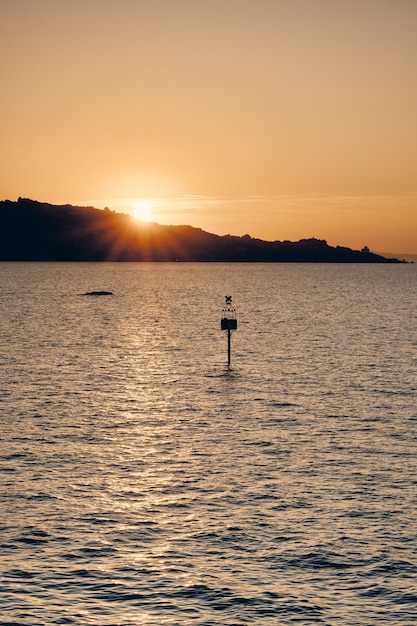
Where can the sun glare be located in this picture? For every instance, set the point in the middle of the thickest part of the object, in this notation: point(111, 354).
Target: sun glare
point(142, 210)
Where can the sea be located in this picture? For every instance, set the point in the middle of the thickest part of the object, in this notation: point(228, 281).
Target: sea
point(144, 481)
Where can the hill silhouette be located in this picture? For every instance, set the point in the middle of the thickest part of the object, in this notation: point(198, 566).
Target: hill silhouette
point(37, 231)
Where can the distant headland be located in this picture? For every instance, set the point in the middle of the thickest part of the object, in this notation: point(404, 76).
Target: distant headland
point(37, 231)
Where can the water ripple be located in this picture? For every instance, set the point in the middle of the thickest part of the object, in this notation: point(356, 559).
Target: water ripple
point(146, 483)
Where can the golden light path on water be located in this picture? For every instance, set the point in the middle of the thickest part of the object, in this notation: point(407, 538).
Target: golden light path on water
point(145, 482)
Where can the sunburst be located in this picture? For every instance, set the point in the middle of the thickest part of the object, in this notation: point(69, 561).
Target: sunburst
point(142, 210)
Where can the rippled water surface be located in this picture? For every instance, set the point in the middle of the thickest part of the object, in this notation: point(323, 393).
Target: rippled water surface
point(145, 482)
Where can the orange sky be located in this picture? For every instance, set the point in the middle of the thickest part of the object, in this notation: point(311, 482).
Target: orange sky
point(283, 119)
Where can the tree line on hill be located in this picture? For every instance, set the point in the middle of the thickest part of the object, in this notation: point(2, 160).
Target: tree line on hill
point(37, 231)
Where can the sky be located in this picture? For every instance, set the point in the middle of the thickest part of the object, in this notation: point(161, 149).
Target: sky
point(282, 119)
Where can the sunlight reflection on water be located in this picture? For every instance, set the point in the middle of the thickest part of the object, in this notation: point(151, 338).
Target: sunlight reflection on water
point(144, 482)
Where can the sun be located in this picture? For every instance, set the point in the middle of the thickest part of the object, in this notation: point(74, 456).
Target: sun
point(142, 210)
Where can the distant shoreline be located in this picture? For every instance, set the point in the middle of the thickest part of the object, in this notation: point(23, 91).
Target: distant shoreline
point(408, 257)
point(37, 231)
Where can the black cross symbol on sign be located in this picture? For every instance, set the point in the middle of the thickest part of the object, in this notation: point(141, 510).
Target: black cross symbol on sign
point(228, 299)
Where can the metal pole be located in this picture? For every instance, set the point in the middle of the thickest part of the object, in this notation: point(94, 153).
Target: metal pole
point(228, 346)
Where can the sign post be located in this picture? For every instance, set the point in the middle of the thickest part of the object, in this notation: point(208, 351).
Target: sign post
point(228, 322)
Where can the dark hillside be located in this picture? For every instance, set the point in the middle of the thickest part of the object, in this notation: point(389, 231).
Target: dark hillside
point(35, 231)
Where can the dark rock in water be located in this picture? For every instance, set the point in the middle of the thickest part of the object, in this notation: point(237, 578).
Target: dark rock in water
point(98, 293)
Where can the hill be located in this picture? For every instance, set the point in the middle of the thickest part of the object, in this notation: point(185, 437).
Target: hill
point(36, 231)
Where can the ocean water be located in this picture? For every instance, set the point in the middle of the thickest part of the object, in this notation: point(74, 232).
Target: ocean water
point(143, 481)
